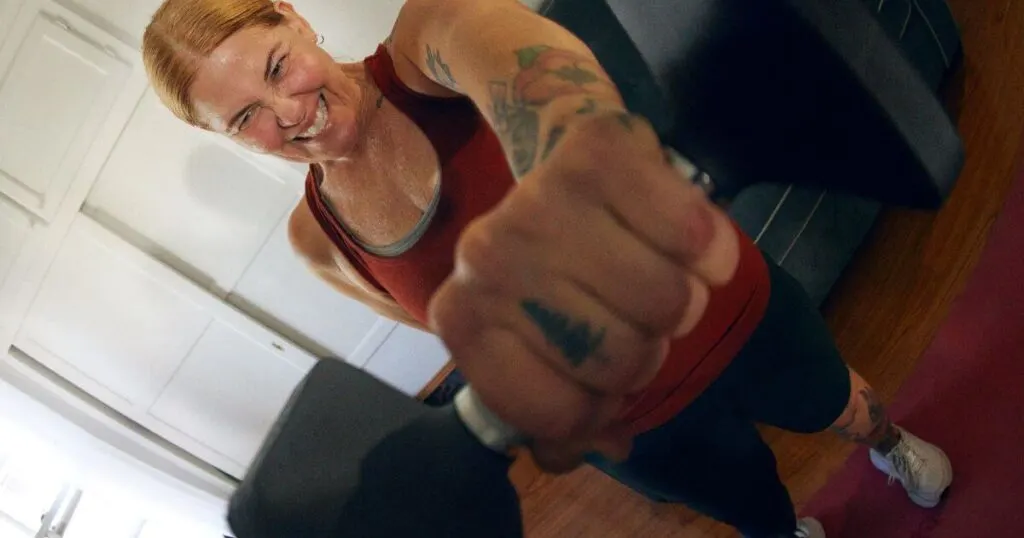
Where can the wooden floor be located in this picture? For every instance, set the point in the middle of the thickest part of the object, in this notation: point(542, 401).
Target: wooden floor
point(883, 314)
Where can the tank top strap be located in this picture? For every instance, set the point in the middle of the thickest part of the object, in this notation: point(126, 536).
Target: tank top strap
point(330, 225)
point(448, 122)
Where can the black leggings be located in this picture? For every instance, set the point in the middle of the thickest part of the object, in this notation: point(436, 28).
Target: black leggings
point(711, 457)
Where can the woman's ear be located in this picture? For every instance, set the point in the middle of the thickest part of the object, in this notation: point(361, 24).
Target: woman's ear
point(293, 20)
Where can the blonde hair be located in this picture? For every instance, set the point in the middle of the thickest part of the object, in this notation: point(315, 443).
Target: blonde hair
point(183, 32)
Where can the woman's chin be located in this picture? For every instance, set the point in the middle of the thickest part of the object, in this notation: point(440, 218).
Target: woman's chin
point(338, 141)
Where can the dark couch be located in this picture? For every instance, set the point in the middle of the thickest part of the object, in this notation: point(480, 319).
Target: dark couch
point(798, 110)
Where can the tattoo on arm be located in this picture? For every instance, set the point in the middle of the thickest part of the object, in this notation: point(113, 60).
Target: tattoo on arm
point(440, 70)
point(544, 74)
point(575, 339)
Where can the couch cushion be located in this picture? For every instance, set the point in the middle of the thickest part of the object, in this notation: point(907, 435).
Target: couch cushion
point(812, 233)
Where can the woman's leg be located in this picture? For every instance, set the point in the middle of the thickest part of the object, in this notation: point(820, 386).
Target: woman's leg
point(791, 375)
point(865, 419)
point(716, 463)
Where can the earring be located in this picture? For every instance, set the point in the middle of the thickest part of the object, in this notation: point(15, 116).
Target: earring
point(320, 39)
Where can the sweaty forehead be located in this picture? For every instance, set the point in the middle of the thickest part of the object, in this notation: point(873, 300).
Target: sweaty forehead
point(232, 75)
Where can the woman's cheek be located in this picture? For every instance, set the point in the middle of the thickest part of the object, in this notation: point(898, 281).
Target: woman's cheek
point(259, 140)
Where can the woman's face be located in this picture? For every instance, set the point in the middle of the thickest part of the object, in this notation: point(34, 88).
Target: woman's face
point(274, 90)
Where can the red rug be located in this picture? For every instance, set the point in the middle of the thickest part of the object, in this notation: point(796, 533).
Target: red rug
point(967, 396)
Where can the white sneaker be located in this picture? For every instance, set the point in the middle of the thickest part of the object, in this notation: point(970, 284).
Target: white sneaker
point(809, 527)
point(922, 468)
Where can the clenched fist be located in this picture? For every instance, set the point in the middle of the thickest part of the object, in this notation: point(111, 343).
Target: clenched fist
point(565, 297)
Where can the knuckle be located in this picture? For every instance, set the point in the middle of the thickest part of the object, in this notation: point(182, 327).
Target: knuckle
point(451, 317)
point(676, 294)
point(479, 247)
point(643, 365)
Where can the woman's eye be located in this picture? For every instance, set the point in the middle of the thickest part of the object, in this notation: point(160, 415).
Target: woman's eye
point(246, 118)
point(278, 68)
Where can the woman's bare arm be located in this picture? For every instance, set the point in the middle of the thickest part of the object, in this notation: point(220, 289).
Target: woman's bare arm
point(529, 76)
point(322, 258)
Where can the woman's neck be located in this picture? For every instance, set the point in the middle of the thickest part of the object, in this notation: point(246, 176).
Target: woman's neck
point(369, 103)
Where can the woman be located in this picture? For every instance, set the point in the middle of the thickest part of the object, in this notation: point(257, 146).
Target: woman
point(479, 175)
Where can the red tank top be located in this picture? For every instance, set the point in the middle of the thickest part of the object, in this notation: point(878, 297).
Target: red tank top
point(475, 176)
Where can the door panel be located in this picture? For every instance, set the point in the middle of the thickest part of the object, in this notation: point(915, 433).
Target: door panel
point(108, 323)
point(8, 10)
point(14, 227)
point(53, 99)
point(128, 17)
point(229, 391)
point(408, 359)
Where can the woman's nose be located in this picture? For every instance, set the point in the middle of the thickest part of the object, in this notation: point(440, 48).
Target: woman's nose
point(289, 111)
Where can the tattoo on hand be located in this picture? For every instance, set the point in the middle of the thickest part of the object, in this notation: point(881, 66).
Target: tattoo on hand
point(545, 73)
point(576, 340)
point(440, 70)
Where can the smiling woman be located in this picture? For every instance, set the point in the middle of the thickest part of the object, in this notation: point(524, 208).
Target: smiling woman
point(479, 174)
point(257, 76)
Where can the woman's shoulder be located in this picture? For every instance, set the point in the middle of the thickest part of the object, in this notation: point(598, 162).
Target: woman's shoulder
point(307, 238)
point(402, 45)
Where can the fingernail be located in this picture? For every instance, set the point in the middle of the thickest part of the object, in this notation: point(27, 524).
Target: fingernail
point(700, 296)
point(700, 230)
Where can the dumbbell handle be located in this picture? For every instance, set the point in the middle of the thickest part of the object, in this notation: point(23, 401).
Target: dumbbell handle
point(484, 424)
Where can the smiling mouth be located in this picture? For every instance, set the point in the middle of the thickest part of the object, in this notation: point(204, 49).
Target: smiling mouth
point(319, 125)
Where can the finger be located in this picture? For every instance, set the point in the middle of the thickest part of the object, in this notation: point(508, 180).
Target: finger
point(559, 457)
point(675, 217)
point(595, 348)
point(613, 445)
point(654, 201)
point(562, 456)
point(567, 325)
point(510, 379)
point(635, 282)
point(700, 296)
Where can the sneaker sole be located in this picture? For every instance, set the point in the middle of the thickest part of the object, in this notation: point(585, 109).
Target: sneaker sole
point(924, 501)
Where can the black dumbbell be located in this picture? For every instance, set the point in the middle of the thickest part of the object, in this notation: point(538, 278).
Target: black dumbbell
point(352, 457)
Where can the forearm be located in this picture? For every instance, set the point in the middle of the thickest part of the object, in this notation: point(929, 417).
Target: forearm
point(530, 77)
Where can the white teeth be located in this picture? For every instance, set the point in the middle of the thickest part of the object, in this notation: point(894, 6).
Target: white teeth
point(321, 120)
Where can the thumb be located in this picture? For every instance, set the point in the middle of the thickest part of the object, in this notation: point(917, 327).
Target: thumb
point(614, 444)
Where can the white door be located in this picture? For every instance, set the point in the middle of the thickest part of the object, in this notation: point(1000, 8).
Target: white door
point(60, 77)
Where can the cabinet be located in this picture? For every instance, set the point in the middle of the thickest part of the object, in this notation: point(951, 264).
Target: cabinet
point(229, 390)
point(127, 18)
point(8, 9)
point(218, 214)
point(159, 349)
point(408, 359)
point(14, 227)
point(108, 322)
point(60, 78)
point(191, 198)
